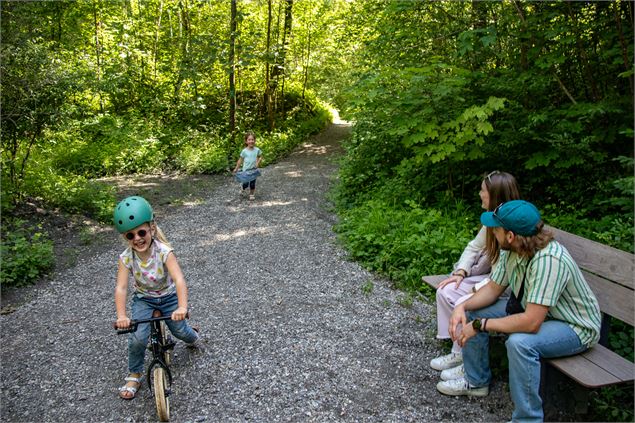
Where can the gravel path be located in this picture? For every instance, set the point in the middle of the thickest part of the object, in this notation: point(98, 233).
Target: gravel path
point(291, 333)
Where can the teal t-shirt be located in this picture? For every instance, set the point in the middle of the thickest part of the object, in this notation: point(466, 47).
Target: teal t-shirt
point(250, 157)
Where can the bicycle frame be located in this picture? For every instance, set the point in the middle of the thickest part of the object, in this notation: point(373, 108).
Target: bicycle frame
point(156, 346)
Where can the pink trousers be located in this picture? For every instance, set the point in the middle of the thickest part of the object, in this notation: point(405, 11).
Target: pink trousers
point(449, 297)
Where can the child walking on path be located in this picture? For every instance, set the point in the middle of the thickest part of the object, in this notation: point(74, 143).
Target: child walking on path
point(473, 267)
point(158, 285)
point(250, 157)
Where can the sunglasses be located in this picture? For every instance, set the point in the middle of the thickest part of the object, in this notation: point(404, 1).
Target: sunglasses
point(496, 210)
point(141, 232)
point(489, 175)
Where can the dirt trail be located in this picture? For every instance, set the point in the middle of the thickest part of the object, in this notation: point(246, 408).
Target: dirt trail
point(291, 333)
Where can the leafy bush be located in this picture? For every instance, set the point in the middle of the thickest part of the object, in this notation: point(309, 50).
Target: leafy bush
point(27, 254)
point(73, 194)
point(201, 153)
point(405, 242)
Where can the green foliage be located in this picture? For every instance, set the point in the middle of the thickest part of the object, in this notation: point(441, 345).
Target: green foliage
point(368, 287)
point(612, 229)
point(405, 242)
point(614, 404)
point(73, 194)
point(26, 252)
point(35, 83)
point(621, 339)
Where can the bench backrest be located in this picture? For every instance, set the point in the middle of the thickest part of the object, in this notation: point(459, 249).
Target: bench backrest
point(608, 271)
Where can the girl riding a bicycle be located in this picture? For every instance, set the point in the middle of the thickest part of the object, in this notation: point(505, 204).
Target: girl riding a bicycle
point(158, 285)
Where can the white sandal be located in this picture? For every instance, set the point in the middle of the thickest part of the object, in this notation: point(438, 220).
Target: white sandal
point(130, 389)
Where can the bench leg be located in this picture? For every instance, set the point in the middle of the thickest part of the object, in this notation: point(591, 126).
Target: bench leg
point(561, 397)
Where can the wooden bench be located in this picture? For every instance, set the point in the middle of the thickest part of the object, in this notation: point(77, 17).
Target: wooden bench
point(610, 274)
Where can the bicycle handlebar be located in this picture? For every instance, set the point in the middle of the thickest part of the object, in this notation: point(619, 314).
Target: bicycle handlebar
point(135, 323)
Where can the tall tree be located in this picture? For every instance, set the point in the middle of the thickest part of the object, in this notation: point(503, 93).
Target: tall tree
point(232, 69)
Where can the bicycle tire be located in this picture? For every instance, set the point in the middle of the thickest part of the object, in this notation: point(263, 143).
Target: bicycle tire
point(160, 385)
point(164, 339)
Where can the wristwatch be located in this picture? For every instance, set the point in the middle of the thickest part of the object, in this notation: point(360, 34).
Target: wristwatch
point(476, 325)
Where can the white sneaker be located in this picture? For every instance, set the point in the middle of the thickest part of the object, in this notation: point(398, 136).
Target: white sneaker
point(447, 361)
point(252, 197)
point(457, 372)
point(461, 387)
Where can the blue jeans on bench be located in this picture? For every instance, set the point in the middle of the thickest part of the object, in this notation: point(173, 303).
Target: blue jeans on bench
point(555, 338)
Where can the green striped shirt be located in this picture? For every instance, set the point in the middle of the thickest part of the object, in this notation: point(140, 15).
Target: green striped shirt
point(554, 280)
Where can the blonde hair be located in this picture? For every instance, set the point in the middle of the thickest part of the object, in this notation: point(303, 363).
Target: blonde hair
point(160, 235)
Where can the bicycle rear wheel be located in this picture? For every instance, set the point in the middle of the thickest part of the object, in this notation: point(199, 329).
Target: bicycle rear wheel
point(161, 390)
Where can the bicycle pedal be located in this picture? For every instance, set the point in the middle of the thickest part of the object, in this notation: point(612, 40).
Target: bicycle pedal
point(170, 345)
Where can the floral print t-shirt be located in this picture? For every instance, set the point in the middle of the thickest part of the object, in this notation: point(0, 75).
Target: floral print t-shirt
point(151, 278)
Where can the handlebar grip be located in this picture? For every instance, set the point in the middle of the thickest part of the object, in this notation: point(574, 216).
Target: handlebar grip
point(129, 329)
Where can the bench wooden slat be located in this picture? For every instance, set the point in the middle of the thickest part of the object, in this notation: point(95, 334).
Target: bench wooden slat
point(612, 363)
point(434, 280)
point(615, 300)
point(608, 262)
point(595, 368)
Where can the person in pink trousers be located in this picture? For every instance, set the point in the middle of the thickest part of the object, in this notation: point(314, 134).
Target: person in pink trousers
point(471, 271)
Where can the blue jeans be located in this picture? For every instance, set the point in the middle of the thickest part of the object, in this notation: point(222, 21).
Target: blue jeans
point(142, 308)
point(555, 338)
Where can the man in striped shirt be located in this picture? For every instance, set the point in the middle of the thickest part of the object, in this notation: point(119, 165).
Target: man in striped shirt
point(556, 313)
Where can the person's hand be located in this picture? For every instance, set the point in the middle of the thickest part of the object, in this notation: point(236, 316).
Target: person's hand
point(467, 332)
point(457, 318)
point(179, 313)
point(122, 322)
point(452, 278)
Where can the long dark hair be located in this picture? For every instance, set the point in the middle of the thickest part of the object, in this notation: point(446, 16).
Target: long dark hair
point(501, 187)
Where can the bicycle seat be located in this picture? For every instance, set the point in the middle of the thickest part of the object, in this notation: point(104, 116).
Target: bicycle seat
point(156, 313)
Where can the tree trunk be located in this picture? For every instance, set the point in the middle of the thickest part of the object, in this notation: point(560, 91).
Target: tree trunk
point(267, 96)
point(308, 58)
point(232, 69)
point(288, 17)
point(524, 65)
point(98, 55)
point(623, 44)
point(583, 58)
point(184, 35)
point(156, 38)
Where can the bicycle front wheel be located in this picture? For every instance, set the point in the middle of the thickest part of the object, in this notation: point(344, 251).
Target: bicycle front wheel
point(164, 339)
point(161, 390)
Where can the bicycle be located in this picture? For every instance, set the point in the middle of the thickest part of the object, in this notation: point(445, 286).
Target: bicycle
point(158, 374)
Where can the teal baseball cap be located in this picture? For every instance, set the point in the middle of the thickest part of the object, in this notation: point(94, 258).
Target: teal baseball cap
point(519, 216)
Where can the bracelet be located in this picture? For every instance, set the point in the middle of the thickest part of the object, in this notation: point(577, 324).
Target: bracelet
point(484, 325)
point(460, 272)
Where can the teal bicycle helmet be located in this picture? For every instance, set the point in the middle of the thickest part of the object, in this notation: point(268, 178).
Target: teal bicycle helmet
point(132, 212)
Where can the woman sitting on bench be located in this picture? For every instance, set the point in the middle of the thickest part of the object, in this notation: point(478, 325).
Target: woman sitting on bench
point(473, 267)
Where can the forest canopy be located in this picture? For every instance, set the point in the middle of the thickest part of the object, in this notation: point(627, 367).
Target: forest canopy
point(439, 93)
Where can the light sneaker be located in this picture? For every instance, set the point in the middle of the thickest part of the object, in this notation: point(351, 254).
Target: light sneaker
point(252, 197)
point(454, 373)
point(461, 387)
point(447, 361)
